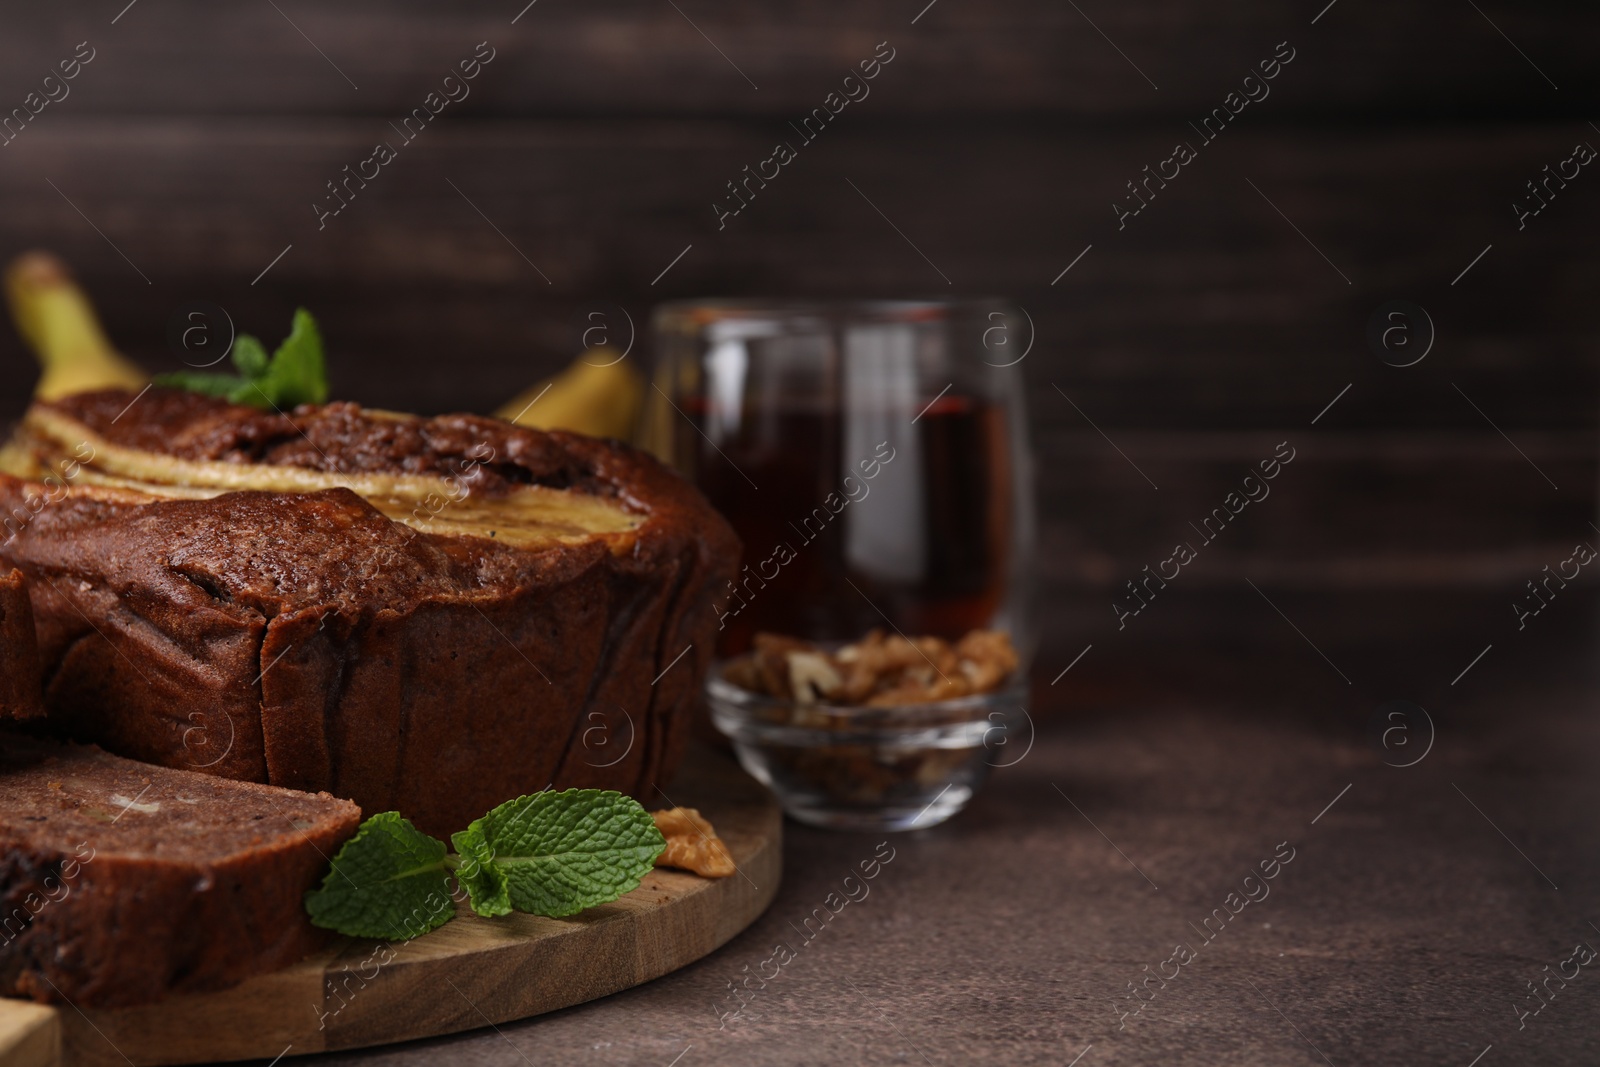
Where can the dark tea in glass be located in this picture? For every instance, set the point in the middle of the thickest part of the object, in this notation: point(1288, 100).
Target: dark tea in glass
point(872, 458)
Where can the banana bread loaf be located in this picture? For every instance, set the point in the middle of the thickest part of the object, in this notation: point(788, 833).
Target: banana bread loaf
point(424, 615)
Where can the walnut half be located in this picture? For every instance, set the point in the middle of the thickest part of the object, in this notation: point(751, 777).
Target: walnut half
point(692, 843)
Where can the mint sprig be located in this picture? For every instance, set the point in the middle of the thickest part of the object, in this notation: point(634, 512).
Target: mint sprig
point(551, 854)
point(563, 852)
point(295, 374)
point(389, 881)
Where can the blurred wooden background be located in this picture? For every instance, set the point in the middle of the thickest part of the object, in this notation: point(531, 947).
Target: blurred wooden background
point(1198, 337)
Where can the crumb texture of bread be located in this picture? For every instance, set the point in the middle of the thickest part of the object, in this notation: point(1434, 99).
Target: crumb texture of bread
point(121, 882)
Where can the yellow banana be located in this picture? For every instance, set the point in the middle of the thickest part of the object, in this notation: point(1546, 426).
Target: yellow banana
point(57, 321)
point(598, 395)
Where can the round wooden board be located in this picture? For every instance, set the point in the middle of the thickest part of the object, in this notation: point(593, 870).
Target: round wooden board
point(465, 975)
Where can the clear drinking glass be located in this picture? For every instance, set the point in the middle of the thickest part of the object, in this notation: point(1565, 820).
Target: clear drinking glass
point(872, 456)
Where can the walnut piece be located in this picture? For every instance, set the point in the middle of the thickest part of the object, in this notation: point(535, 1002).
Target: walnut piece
point(811, 676)
point(880, 670)
point(692, 843)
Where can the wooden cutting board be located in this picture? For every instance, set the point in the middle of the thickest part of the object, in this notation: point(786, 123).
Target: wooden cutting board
point(467, 974)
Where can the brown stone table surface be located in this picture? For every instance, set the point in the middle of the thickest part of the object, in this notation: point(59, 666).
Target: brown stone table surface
point(1168, 763)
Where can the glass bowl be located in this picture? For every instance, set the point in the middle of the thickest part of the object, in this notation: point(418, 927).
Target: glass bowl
point(869, 768)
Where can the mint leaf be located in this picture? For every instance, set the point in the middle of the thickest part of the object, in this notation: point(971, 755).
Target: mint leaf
point(563, 852)
point(297, 374)
point(389, 881)
point(485, 883)
point(249, 356)
point(548, 854)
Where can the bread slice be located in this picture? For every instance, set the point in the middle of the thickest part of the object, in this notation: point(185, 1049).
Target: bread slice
point(121, 882)
point(423, 615)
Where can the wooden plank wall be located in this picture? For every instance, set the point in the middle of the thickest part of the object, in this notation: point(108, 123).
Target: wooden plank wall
point(1217, 322)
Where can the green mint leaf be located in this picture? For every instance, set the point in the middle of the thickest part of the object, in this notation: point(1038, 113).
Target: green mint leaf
point(563, 852)
point(486, 884)
point(297, 373)
point(389, 881)
point(210, 384)
point(249, 356)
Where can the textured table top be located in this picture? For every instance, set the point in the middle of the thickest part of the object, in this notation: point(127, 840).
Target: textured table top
point(1417, 904)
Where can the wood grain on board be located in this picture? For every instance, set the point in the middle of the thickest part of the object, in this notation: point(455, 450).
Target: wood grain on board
point(470, 973)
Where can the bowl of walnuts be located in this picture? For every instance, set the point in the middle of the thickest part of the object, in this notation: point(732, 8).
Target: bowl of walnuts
point(886, 733)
